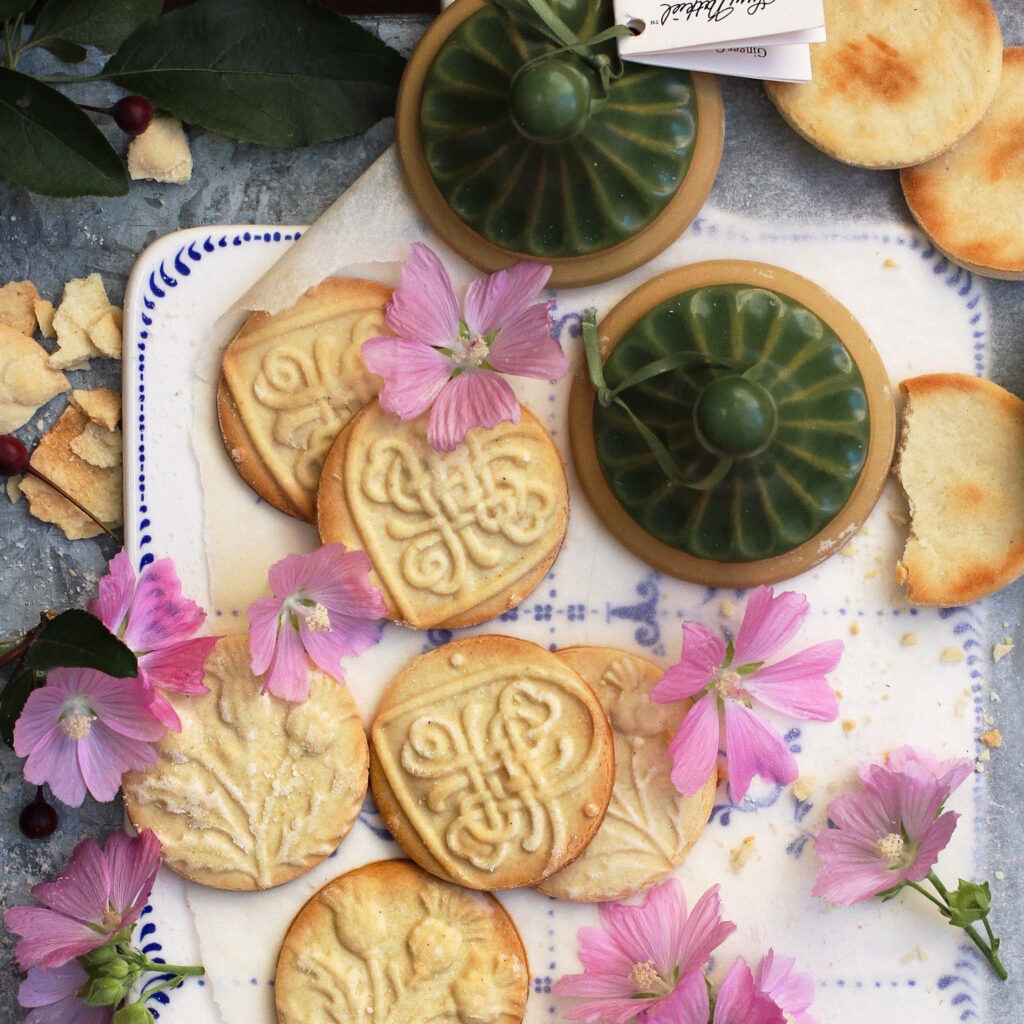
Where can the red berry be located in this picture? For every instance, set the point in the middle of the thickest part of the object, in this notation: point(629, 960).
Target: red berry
point(38, 820)
point(133, 114)
point(13, 455)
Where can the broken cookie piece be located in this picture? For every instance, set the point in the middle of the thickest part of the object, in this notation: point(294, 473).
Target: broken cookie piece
point(961, 464)
point(101, 405)
point(161, 153)
point(26, 380)
point(98, 489)
point(17, 299)
point(84, 304)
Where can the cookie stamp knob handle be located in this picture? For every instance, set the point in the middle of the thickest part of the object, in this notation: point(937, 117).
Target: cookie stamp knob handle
point(735, 417)
point(550, 100)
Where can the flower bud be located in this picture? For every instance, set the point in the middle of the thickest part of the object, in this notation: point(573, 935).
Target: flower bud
point(133, 1013)
point(99, 957)
point(117, 968)
point(103, 992)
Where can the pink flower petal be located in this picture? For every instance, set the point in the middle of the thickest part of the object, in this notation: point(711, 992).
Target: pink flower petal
point(736, 993)
point(703, 654)
point(179, 666)
point(524, 347)
point(424, 306)
point(853, 870)
point(82, 889)
point(664, 927)
point(752, 748)
point(38, 718)
point(159, 615)
point(949, 774)
point(114, 597)
point(163, 710)
point(288, 675)
point(134, 862)
point(476, 398)
point(50, 939)
point(345, 589)
point(933, 839)
point(501, 298)
point(606, 1011)
point(122, 705)
point(867, 812)
point(792, 991)
point(263, 626)
point(797, 686)
point(328, 647)
point(687, 1003)
point(41, 988)
point(694, 747)
point(414, 374)
point(54, 761)
point(769, 623)
point(703, 932)
point(104, 756)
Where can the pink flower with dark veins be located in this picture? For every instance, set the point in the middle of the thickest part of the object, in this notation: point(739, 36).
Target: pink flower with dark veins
point(892, 830)
point(648, 961)
point(156, 622)
point(725, 680)
point(83, 730)
point(324, 606)
point(100, 892)
point(452, 364)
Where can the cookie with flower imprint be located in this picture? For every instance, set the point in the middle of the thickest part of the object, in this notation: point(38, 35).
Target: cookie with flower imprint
point(255, 790)
point(387, 942)
point(491, 762)
point(290, 381)
point(455, 537)
point(650, 826)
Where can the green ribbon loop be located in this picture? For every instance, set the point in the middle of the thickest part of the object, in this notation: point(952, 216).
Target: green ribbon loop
point(607, 396)
point(539, 15)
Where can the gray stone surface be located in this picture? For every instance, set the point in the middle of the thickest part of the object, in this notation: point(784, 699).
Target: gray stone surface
point(767, 171)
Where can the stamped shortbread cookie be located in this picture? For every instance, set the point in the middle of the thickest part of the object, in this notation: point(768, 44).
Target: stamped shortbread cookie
point(897, 81)
point(254, 790)
point(455, 538)
point(389, 944)
point(960, 463)
point(492, 762)
point(649, 826)
point(291, 381)
point(970, 200)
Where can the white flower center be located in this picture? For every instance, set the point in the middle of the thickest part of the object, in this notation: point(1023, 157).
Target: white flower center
point(318, 619)
point(647, 979)
point(729, 684)
point(891, 848)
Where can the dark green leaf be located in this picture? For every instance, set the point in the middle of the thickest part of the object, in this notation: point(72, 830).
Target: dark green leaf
point(70, 53)
point(50, 146)
point(12, 8)
point(103, 23)
point(12, 700)
point(77, 638)
point(280, 72)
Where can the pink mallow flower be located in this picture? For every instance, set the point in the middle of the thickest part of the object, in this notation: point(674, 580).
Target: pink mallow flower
point(731, 678)
point(777, 995)
point(446, 363)
point(83, 730)
point(648, 961)
point(156, 622)
point(323, 606)
point(100, 892)
point(52, 997)
point(892, 830)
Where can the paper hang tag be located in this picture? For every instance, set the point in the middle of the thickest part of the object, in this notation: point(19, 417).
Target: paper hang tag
point(751, 38)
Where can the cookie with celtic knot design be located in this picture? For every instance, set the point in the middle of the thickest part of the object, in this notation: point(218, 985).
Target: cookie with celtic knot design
point(492, 762)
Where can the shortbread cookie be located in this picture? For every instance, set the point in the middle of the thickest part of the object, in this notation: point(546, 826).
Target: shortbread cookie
point(492, 762)
point(291, 381)
point(897, 81)
point(17, 306)
point(455, 538)
point(26, 380)
point(388, 943)
point(970, 199)
point(961, 464)
point(649, 826)
point(254, 790)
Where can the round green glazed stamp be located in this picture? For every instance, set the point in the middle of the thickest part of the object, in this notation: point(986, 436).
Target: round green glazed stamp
point(516, 148)
point(772, 418)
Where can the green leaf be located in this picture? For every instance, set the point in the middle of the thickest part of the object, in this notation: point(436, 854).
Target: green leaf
point(77, 638)
point(103, 23)
point(12, 8)
point(70, 53)
point(279, 72)
point(50, 146)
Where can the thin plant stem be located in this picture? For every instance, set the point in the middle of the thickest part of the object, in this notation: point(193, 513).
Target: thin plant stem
point(68, 79)
point(11, 63)
point(943, 909)
point(987, 950)
point(67, 497)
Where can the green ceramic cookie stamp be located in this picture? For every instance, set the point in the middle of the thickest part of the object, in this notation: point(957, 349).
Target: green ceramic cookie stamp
point(521, 142)
point(741, 426)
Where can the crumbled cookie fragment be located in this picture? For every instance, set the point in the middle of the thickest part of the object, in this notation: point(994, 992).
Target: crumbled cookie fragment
point(84, 303)
point(44, 310)
point(98, 446)
point(917, 953)
point(14, 488)
point(952, 656)
point(992, 738)
point(16, 302)
point(97, 489)
point(101, 405)
point(161, 153)
point(739, 855)
point(849, 725)
point(105, 334)
point(26, 380)
point(1001, 650)
point(854, 627)
point(727, 608)
point(890, 262)
point(804, 787)
point(908, 639)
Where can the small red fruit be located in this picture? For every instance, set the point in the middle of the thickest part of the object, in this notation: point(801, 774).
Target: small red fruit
point(133, 114)
point(13, 456)
point(38, 820)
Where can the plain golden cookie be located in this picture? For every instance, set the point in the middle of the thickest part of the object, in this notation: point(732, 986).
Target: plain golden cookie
point(491, 762)
point(897, 81)
point(961, 464)
point(970, 199)
point(254, 790)
point(291, 381)
point(649, 826)
point(390, 944)
point(455, 538)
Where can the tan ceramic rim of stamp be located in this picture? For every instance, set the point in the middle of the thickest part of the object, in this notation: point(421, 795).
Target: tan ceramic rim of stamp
point(881, 444)
point(568, 271)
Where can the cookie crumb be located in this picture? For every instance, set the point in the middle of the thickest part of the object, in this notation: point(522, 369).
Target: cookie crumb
point(917, 953)
point(854, 628)
point(890, 262)
point(727, 608)
point(952, 656)
point(992, 738)
point(804, 787)
point(849, 725)
point(1001, 650)
point(739, 856)
point(908, 639)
